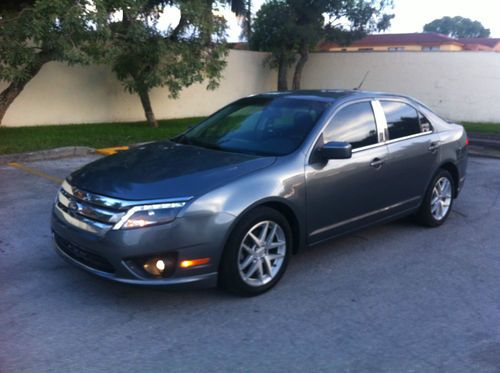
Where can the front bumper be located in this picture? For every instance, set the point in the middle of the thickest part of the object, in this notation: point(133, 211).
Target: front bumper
point(110, 255)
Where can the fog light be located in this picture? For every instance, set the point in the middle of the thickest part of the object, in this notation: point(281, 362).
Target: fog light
point(194, 262)
point(160, 265)
point(155, 266)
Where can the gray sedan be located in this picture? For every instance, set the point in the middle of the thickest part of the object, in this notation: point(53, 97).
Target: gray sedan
point(229, 201)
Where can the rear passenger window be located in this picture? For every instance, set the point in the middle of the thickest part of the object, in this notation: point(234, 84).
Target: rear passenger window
point(425, 124)
point(354, 124)
point(402, 119)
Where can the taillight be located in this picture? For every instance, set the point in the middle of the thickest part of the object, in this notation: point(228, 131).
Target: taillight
point(466, 141)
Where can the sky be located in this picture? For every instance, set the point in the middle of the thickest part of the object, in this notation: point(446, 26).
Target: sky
point(412, 15)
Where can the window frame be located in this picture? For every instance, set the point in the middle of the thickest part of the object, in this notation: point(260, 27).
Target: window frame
point(383, 120)
point(380, 123)
point(354, 150)
point(330, 118)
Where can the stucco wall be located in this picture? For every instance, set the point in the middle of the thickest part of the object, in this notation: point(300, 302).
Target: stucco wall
point(458, 85)
point(60, 94)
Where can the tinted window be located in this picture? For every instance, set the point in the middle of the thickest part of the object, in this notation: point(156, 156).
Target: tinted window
point(258, 125)
point(425, 124)
point(402, 119)
point(354, 124)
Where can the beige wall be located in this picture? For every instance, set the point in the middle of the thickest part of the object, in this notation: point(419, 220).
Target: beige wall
point(60, 94)
point(458, 85)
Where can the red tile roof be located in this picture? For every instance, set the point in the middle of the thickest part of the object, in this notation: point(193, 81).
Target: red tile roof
point(419, 38)
point(490, 42)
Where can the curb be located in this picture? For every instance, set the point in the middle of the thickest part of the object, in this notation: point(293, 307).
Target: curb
point(112, 150)
point(41, 155)
point(485, 153)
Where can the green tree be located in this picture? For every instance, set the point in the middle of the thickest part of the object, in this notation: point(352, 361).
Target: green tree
point(34, 32)
point(458, 27)
point(275, 32)
point(144, 55)
point(313, 21)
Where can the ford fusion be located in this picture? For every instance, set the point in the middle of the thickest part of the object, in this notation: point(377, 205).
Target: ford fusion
point(229, 201)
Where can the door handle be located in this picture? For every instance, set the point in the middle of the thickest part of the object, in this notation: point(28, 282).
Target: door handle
point(377, 163)
point(434, 146)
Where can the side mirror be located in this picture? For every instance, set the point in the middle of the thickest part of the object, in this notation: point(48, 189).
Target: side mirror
point(336, 150)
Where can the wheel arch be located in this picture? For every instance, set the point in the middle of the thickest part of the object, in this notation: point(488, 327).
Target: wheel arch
point(284, 208)
point(453, 170)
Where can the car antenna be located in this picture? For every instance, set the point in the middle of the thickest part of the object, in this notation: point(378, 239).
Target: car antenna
point(362, 81)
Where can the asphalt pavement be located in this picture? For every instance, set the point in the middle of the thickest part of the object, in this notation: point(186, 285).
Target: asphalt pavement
point(392, 298)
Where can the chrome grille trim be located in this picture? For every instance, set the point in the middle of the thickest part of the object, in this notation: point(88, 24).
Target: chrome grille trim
point(96, 213)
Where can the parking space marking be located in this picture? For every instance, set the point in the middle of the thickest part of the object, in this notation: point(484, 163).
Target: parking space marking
point(32, 171)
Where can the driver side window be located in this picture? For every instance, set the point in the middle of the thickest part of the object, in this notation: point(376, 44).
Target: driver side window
point(354, 124)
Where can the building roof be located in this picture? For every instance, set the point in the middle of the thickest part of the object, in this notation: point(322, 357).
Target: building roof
point(489, 42)
point(419, 38)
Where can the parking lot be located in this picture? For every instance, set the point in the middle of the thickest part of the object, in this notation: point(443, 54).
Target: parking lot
point(396, 297)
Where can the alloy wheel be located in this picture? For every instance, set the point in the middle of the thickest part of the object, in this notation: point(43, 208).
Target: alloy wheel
point(441, 198)
point(262, 253)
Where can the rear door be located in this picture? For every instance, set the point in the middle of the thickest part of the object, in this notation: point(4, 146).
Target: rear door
point(414, 152)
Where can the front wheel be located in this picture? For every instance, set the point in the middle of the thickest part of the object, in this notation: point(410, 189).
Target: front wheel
point(257, 253)
point(438, 200)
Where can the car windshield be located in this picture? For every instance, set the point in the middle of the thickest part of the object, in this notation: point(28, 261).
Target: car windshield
point(258, 125)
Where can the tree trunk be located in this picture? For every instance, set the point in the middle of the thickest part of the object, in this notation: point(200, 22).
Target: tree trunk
point(9, 94)
point(148, 110)
point(297, 76)
point(282, 75)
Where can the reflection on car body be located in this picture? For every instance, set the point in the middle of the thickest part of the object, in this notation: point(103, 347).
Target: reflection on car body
point(230, 200)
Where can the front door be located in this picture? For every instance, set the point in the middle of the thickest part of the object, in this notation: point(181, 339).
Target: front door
point(347, 193)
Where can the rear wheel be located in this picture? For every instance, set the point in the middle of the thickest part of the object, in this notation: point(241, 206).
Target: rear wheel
point(257, 253)
point(438, 200)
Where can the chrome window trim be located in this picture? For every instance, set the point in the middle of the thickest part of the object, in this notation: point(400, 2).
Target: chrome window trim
point(368, 147)
point(419, 113)
point(380, 122)
point(409, 137)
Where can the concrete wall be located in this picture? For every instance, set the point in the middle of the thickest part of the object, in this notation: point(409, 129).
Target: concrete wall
point(461, 86)
point(60, 94)
point(458, 85)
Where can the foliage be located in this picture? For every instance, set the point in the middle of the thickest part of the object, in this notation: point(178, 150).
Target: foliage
point(484, 127)
point(33, 33)
point(275, 31)
point(144, 55)
point(458, 27)
point(295, 27)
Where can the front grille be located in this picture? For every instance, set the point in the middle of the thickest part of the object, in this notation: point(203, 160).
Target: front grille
point(97, 213)
point(89, 259)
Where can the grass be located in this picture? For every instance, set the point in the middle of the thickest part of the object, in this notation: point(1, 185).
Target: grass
point(95, 135)
point(481, 127)
point(102, 135)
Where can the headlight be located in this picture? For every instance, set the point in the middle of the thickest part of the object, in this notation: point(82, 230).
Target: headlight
point(142, 216)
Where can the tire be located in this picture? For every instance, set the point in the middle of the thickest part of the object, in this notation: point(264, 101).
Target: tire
point(250, 266)
point(438, 200)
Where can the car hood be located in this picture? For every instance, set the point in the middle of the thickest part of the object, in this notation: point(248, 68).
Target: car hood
point(164, 170)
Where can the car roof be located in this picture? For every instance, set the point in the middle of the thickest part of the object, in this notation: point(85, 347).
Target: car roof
point(328, 94)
